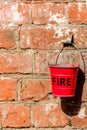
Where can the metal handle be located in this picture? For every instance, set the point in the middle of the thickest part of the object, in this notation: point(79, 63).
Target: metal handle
point(77, 51)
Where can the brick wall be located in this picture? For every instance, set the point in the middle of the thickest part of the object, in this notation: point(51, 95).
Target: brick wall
point(30, 37)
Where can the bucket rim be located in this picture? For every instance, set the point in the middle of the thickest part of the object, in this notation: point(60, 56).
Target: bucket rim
point(62, 66)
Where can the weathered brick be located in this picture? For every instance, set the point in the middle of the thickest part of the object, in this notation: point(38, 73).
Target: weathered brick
point(80, 37)
point(50, 37)
point(27, 1)
point(44, 13)
point(16, 62)
point(8, 89)
point(35, 89)
point(0, 114)
point(49, 115)
point(14, 13)
point(16, 116)
point(80, 120)
point(41, 63)
point(41, 37)
point(43, 59)
point(8, 38)
point(84, 88)
point(85, 62)
point(77, 13)
point(49, 25)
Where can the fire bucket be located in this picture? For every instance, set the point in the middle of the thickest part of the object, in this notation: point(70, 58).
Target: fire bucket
point(63, 79)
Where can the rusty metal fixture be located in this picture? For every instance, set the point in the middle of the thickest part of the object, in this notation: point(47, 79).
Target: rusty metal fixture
point(69, 40)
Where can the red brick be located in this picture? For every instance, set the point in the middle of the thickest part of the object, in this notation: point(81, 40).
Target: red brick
point(8, 89)
point(16, 116)
point(35, 89)
point(49, 115)
point(84, 92)
point(8, 38)
point(42, 59)
point(41, 63)
point(80, 120)
point(80, 37)
point(44, 13)
point(77, 13)
point(16, 62)
point(85, 62)
point(50, 37)
point(14, 13)
point(41, 37)
point(0, 113)
point(35, 1)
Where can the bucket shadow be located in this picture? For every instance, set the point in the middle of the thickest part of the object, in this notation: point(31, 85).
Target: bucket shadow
point(71, 105)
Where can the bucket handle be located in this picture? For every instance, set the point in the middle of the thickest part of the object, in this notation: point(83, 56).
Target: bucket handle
point(77, 51)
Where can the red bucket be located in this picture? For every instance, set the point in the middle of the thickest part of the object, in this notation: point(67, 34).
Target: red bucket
point(64, 77)
point(63, 80)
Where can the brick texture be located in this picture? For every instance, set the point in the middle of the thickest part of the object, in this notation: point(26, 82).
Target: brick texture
point(49, 115)
point(15, 116)
point(8, 89)
point(77, 13)
point(8, 38)
point(85, 61)
point(79, 121)
point(31, 38)
point(84, 95)
point(39, 37)
point(35, 89)
point(16, 62)
point(48, 13)
point(13, 13)
point(50, 37)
